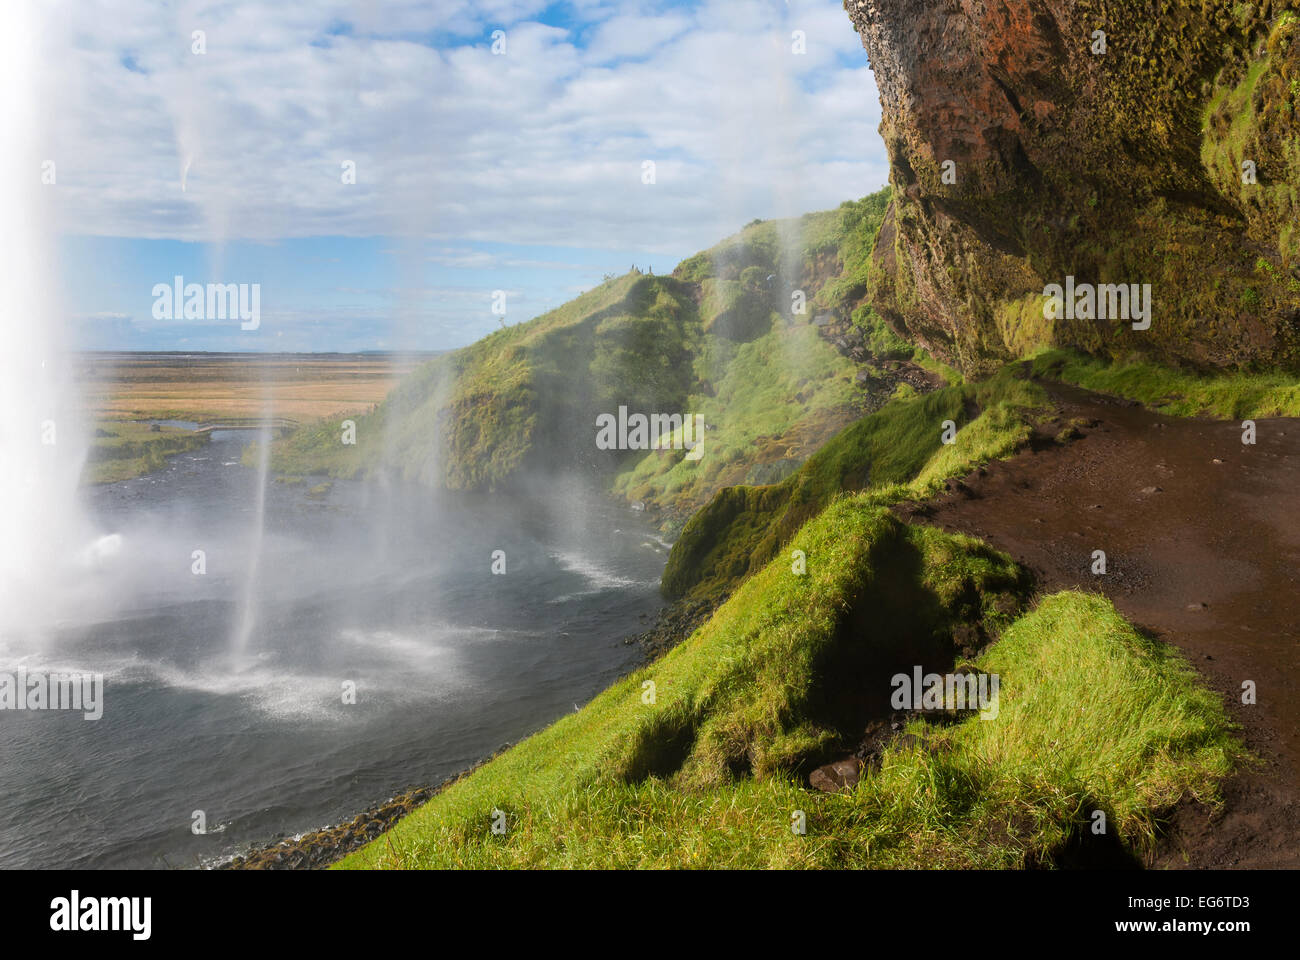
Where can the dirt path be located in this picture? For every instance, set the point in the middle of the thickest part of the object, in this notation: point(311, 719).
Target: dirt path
point(1202, 542)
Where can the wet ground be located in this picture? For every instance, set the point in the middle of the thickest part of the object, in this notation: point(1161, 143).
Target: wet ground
point(1201, 534)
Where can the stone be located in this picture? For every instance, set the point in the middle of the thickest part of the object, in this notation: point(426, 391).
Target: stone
point(837, 776)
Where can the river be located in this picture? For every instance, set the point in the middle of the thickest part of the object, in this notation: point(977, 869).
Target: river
point(386, 592)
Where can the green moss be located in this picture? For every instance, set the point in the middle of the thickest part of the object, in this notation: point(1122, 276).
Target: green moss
point(1169, 390)
point(1024, 328)
point(882, 342)
point(1252, 119)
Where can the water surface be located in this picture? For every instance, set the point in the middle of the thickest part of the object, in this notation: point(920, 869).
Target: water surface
point(390, 590)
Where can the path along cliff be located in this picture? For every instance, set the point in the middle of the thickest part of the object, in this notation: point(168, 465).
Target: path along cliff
point(1201, 536)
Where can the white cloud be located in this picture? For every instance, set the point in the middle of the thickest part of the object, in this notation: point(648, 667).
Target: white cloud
point(634, 36)
point(541, 146)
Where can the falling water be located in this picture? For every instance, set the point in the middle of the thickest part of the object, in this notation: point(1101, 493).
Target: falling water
point(42, 443)
point(246, 613)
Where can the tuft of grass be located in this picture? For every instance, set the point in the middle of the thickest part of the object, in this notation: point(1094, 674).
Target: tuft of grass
point(1181, 393)
point(1092, 712)
point(1008, 406)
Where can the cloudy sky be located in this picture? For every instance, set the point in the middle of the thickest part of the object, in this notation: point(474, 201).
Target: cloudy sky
point(496, 144)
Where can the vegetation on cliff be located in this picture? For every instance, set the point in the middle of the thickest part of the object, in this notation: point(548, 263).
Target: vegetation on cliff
point(738, 335)
point(711, 770)
point(897, 452)
point(1177, 392)
point(1110, 140)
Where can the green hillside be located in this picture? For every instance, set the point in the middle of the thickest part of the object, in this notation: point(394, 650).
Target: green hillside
point(710, 770)
point(897, 451)
point(817, 422)
point(740, 335)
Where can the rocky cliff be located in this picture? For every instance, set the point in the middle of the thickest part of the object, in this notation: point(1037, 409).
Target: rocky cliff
point(1114, 141)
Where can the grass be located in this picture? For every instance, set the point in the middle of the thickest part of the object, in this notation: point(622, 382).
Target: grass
point(742, 527)
point(717, 338)
point(122, 450)
point(1008, 408)
point(1092, 716)
point(896, 452)
point(779, 398)
point(1175, 392)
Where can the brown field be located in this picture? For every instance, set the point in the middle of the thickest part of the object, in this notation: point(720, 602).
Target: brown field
point(201, 387)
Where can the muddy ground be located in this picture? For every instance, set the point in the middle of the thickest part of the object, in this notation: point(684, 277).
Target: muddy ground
point(1202, 540)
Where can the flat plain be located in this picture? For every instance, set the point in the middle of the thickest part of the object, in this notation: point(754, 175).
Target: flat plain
point(202, 387)
point(121, 391)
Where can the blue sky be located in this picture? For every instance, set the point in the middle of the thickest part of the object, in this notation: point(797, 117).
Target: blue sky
point(520, 170)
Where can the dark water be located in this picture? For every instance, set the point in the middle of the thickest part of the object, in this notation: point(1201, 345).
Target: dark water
point(391, 591)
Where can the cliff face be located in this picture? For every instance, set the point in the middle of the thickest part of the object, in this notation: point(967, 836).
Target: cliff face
point(1022, 154)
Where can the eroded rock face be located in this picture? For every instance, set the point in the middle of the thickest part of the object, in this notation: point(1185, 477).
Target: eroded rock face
point(1022, 154)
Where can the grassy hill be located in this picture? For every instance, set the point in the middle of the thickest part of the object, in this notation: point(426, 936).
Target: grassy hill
point(710, 771)
point(737, 334)
point(701, 758)
point(818, 592)
point(897, 452)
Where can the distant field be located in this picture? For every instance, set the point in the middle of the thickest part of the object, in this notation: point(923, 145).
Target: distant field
point(119, 387)
point(131, 386)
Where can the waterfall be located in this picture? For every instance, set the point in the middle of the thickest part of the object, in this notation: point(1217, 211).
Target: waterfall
point(43, 539)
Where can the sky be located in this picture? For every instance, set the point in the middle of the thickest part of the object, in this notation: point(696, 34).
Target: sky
point(494, 145)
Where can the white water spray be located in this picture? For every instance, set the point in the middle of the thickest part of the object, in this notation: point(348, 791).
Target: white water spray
point(42, 441)
point(246, 614)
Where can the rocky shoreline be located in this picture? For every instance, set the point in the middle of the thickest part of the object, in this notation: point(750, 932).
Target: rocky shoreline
point(673, 624)
point(321, 848)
